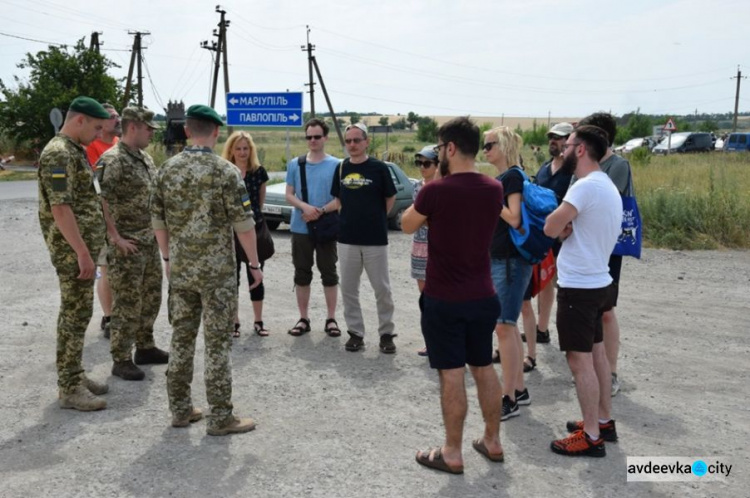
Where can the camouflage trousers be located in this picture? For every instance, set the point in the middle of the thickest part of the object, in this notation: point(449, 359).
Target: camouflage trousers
point(135, 280)
point(76, 308)
point(217, 307)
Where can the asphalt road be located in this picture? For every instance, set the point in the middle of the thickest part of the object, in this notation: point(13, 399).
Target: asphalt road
point(18, 190)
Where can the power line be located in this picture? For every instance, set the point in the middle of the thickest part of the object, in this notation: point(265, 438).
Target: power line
point(33, 39)
point(153, 87)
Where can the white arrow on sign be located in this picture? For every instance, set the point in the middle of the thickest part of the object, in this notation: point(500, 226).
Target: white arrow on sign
point(294, 117)
point(233, 101)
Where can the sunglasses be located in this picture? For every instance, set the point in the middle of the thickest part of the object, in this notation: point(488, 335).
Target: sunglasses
point(354, 140)
point(313, 137)
point(486, 147)
point(423, 164)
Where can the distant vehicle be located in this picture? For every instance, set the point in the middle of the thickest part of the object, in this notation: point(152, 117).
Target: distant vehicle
point(634, 143)
point(737, 142)
point(276, 210)
point(685, 142)
point(719, 144)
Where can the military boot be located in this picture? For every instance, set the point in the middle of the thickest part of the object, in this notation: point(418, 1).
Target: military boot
point(96, 388)
point(126, 370)
point(194, 416)
point(81, 399)
point(151, 356)
point(236, 426)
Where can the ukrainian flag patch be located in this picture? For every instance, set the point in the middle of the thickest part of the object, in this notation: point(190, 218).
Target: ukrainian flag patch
point(58, 173)
point(245, 200)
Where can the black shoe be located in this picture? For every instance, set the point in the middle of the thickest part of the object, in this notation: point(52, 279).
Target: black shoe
point(607, 431)
point(106, 322)
point(522, 397)
point(510, 408)
point(542, 337)
point(386, 344)
point(355, 342)
point(151, 356)
point(126, 370)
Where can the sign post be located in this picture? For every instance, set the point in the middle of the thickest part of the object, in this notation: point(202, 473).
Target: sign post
point(669, 127)
point(278, 109)
point(56, 118)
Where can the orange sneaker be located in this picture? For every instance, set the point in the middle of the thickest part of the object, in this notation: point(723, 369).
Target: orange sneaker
point(579, 444)
point(607, 431)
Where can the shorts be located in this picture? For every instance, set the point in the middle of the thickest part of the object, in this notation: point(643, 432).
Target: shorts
point(457, 334)
point(101, 259)
point(510, 277)
point(615, 265)
point(579, 317)
point(326, 257)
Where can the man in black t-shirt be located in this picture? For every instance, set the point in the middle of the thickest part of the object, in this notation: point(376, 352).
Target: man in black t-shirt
point(366, 194)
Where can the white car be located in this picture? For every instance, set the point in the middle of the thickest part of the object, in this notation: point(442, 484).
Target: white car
point(631, 144)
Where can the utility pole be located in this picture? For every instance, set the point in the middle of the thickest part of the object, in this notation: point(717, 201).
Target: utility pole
point(328, 101)
point(94, 46)
point(220, 47)
point(135, 55)
point(310, 59)
point(737, 97)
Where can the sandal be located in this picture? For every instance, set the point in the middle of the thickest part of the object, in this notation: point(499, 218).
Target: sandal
point(298, 329)
point(496, 356)
point(481, 448)
point(236, 332)
point(529, 364)
point(422, 352)
point(334, 330)
point(437, 462)
point(260, 329)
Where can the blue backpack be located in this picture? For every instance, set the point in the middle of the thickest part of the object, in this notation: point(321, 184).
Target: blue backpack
point(529, 238)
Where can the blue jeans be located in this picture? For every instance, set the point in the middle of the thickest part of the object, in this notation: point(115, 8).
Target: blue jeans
point(510, 277)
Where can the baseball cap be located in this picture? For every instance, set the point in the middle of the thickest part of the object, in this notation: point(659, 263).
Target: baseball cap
point(141, 115)
point(428, 152)
point(361, 126)
point(561, 130)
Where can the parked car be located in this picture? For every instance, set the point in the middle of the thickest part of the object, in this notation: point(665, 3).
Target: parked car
point(737, 142)
point(276, 210)
point(685, 142)
point(634, 143)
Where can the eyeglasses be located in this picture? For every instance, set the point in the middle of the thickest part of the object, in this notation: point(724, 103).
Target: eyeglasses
point(436, 149)
point(354, 140)
point(423, 164)
point(573, 144)
point(486, 147)
point(313, 137)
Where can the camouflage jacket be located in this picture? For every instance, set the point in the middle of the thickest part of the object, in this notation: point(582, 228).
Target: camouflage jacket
point(65, 177)
point(198, 197)
point(125, 176)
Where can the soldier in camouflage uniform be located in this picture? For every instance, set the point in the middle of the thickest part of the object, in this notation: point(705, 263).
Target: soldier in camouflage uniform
point(70, 215)
point(125, 172)
point(197, 199)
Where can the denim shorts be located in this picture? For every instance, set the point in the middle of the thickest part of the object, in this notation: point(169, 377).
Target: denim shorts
point(510, 277)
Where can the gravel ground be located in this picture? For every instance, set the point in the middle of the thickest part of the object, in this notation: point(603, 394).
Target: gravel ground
point(333, 423)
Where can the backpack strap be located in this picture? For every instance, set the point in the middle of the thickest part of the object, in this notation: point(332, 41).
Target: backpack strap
point(302, 161)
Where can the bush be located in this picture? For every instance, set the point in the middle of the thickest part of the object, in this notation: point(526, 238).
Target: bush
point(408, 148)
point(641, 156)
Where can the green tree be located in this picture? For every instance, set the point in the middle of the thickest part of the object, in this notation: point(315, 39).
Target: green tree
point(427, 131)
point(354, 118)
point(383, 121)
point(412, 118)
point(57, 76)
point(708, 125)
point(639, 125)
point(399, 124)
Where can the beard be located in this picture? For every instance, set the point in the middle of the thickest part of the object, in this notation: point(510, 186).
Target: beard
point(569, 165)
point(444, 167)
point(554, 150)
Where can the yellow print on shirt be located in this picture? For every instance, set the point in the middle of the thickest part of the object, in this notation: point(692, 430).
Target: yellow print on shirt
point(355, 181)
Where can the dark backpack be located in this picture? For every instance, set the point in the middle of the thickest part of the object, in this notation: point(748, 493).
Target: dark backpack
point(529, 238)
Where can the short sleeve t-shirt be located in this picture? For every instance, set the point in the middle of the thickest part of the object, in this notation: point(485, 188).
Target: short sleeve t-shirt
point(319, 177)
point(502, 246)
point(458, 262)
point(253, 182)
point(583, 262)
point(95, 149)
point(558, 182)
point(363, 190)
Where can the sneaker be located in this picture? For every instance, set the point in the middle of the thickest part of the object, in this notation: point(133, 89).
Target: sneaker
point(194, 416)
point(615, 384)
point(106, 321)
point(126, 370)
point(579, 444)
point(355, 342)
point(81, 399)
point(522, 397)
point(386, 344)
point(236, 426)
point(151, 356)
point(96, 388)
point(607, 431)
point(542, 337)
point(510, 408)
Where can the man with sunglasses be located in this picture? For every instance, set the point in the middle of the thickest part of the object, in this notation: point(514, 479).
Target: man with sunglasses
point(319, 170)
point(366, 193)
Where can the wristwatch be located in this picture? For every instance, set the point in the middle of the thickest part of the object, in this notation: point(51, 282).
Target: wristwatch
point(254, 267)
point(323, 209)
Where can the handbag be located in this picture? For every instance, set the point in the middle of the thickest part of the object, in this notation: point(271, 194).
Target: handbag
point(326, 228)
point(264, 240)
point(630, 239)
point(542, 273)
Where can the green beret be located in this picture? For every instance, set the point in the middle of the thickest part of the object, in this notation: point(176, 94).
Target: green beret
point(89, 107)
point(204, 113)
point(140, 115)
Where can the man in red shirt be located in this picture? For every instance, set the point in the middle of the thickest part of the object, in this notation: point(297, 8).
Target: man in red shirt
point(459, 303)
point(109, 137)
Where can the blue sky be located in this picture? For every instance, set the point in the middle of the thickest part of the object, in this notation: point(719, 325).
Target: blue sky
point(518, 58)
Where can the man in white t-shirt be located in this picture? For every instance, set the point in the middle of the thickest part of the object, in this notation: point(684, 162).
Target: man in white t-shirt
point(589, 222)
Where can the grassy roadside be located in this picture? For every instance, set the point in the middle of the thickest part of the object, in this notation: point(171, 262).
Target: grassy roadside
point(16, 176)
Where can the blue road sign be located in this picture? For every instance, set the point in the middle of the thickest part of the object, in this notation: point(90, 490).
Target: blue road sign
point(282, 109)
